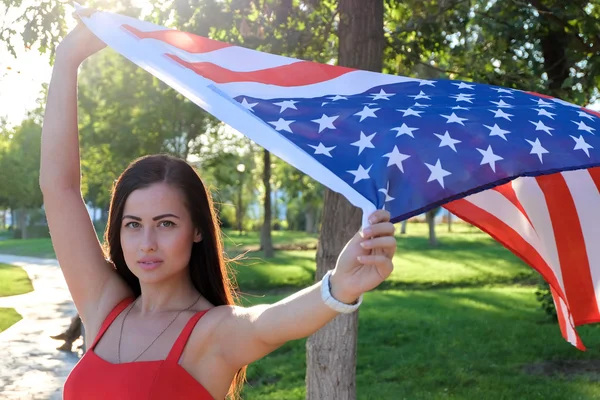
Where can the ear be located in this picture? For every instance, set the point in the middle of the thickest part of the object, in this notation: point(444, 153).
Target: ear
point(198, 237)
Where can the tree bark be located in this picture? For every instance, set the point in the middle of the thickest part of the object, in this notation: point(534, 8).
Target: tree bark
point(430, 217)
point(403, 227)
point(331, 352)
point(266, 242)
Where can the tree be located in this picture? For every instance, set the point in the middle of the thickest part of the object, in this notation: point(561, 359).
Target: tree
point(331, 352)
point(266, 242)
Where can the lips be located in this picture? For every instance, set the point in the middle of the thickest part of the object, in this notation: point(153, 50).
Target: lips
point(149, 263)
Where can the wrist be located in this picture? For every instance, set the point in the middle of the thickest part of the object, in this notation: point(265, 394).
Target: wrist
point(339, 292)
point(66, 61)
point(332, 302)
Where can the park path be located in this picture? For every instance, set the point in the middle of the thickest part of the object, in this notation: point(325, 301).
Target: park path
point(30, 365)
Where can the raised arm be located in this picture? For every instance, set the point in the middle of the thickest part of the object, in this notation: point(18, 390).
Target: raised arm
point(92, 282)
point(247, 334)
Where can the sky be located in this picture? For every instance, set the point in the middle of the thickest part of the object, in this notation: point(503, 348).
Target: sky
point(21, 79)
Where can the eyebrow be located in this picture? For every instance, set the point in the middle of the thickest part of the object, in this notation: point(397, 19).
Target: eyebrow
point(153, 219)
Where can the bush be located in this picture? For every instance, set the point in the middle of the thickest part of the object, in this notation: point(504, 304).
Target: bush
point(544, 296)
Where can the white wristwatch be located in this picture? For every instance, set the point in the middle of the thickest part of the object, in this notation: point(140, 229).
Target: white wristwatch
point(332, 302)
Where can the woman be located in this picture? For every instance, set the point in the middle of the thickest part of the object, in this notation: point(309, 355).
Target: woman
point(158, 303)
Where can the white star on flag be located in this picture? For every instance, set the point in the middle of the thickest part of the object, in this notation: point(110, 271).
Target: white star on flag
point(460, 108)
point(489, 157)
point(286, 104)
point(396, 158)
point(248, 106)
point(360, 173)
point(502, 90)
point(365, 141)
point(404, 130)
point(385, 191)
point(437, 173)
point(536, 148)
point(381, 95)
point(367, 112)
point(421, 95)
point(325, 122)
point(446, 140)
point(544, 112)
point(543, 103)
point(321, 149)
point(410, 111)
point(454, 118)
point(497, 131)
point(463, 85)
point(417, 104)
point(501, 104)
point(282, 125)
point(581, 126)
point(581, 144)
point(463, 97)
point(337, 97)
point(426, 82)
point(499, 113)
point(539, 126)
point(583, 114)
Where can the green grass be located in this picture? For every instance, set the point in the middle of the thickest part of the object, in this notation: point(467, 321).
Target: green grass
point(471, 338)
point(443, 344)
point(13, 281)
point(8, 317)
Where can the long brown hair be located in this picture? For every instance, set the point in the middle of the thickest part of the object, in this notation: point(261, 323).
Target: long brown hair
point(208, 267)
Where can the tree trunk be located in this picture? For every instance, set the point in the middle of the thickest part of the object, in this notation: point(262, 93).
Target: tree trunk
point(309, 219)
point(331, 352)
point(23, 222)
point(266, 242)
point(403, 227)
point(430, 216)
point(449, 221)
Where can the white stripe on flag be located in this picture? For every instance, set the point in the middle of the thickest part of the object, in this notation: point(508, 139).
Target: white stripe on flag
point(348, 84)
point(586, 197)
point(532, 199)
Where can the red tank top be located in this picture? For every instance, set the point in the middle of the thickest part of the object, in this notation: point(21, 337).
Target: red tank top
point(95, 378)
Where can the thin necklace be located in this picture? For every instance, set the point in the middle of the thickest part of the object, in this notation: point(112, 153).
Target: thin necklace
point(163, 331)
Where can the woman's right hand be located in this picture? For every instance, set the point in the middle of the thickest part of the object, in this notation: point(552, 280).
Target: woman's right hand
point(80, 43)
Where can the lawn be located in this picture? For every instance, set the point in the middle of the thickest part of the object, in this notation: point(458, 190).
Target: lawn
point(467, 344)
point(13, 281)
point(459, 321)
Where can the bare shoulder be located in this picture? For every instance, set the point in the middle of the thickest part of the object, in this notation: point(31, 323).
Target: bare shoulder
point(211, 331)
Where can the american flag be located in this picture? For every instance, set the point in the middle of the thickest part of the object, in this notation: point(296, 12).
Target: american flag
point(514, 163)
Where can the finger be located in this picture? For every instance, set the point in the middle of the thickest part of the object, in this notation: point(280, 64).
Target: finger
point(379, 216)
point(87, 12)
point(383, 242)
point(383, 264)
point(380, 229)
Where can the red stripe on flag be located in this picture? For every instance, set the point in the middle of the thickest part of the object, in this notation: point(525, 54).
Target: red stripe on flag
point(508, 191)
point(182, 40)
point(300, 73)
point(504, 234)
point(595, 174)
point(596, 113)
point(572, 253)
point(545, 96)
point(563, 323)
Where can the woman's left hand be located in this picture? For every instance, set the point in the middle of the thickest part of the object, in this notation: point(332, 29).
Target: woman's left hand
point(366, 260)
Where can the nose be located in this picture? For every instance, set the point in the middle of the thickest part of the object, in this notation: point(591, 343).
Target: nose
point(149, 242)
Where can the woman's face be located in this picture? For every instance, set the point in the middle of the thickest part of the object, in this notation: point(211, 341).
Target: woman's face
point(157, 233)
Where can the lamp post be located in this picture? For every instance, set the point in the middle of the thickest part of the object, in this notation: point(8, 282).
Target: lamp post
point(240, 168)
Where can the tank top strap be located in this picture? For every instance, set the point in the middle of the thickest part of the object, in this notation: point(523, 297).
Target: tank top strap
point(111, 317)
point(179, 345)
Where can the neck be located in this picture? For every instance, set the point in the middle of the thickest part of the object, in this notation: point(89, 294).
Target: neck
point(166, 297)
